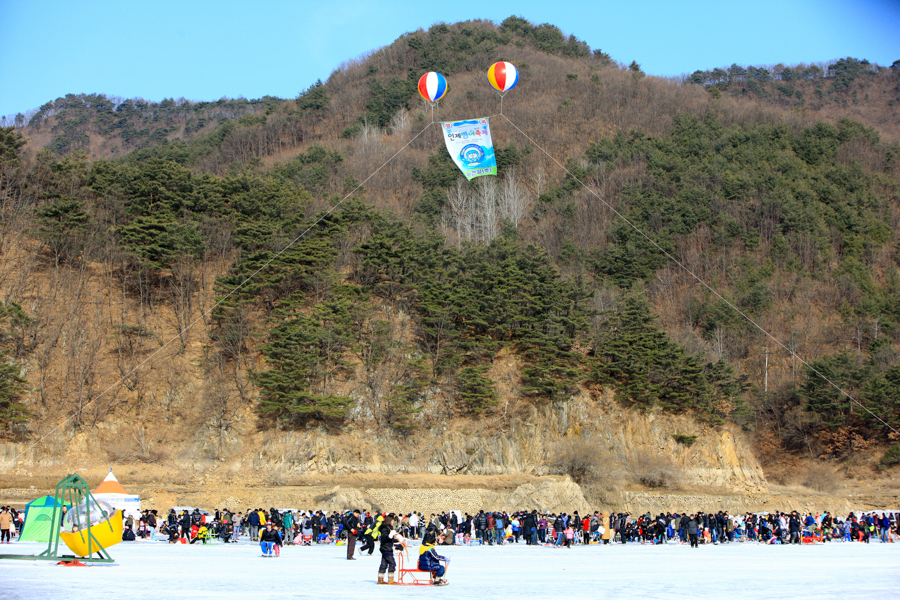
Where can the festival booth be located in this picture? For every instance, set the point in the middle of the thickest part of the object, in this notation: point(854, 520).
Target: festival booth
point(38, 519)
point(112, 492)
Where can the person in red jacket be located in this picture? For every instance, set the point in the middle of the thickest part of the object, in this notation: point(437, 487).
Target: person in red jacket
point(586, 529)
point(491, 525)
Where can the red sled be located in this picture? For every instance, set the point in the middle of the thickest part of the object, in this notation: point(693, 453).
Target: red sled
point(413, 576)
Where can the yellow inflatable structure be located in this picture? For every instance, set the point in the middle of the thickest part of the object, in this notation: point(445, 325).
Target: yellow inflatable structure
point(107, 533)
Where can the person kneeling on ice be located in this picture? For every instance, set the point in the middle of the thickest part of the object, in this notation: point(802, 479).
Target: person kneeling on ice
point(429, 559)
point(202, 535)
point(387, 539)
point(270, 541)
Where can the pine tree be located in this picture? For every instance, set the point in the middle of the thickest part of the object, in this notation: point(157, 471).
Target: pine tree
point(12, 386)
point(475, 390)
point(304, 354)
point(13, 412)
point(60, 226)
point(650, 370)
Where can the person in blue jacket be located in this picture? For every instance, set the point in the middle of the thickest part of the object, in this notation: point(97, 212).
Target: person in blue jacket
point(253, 521)
point(429, 559)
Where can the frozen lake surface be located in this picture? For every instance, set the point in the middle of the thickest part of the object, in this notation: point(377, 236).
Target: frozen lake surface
point(159, 570)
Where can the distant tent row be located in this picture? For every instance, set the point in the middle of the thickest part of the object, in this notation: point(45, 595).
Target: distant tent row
point(39, 512)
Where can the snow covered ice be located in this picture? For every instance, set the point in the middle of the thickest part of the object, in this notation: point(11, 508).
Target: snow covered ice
point(154, 570)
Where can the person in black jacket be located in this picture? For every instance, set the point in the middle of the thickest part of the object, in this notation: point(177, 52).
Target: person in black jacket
point(387, 539)
point(351, 525)
point(480, 522)
point(720, 527)
point(368, 523)
point(794, 527)
point(683, 530)
point(270, 541)
point(151, 522)
point(171, 531)
point(529, 527)
point(316, 523)
point(274, 517)
point(827, 526)
point(185, 526)
point(693, 525)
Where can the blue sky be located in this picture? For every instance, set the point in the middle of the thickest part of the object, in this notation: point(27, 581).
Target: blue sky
point(203, 50)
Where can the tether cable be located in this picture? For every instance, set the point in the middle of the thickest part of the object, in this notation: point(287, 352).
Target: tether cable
point(696, 277)
point(228, 295)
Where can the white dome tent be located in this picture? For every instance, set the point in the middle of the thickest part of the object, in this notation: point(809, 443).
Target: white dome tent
point(112, 492)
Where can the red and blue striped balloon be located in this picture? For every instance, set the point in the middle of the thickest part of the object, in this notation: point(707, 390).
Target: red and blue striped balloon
point(503, 76)
point(432, 86)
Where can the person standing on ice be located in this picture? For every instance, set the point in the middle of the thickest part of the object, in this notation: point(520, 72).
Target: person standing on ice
point(559, 527)
point(480, 524)
point(5, 524)
point(388, 539)
point(414, 524)
point(794, 526)
point(253, 522)
point(606, 529)
point(185, 527)
point(693, 525)
point(351, 525)
point(287, 521)
point(236, 527)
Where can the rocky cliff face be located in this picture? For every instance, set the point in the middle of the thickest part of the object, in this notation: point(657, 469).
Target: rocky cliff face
point(523, 444)
point(719, 458)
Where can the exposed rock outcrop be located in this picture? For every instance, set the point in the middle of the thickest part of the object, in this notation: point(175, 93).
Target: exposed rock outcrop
point(718, 457)
point(522, 443)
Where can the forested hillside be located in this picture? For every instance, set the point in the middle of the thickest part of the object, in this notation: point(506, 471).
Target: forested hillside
point(135, 230)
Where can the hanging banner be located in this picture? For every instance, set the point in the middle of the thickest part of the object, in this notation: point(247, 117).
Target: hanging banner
point(470, 146)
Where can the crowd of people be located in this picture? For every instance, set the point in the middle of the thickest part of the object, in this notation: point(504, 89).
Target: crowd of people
point(531, 528)
point(295, 527)
point(362, 531)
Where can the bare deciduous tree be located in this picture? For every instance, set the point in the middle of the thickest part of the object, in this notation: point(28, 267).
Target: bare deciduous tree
point(222, 406)
point(514, 201)
point(487, 217)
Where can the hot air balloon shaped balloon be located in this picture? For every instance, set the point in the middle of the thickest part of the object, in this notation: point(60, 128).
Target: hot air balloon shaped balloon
point(503, 76)
point(432, 86)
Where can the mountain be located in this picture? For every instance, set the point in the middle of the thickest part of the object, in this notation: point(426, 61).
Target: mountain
point(181, 279)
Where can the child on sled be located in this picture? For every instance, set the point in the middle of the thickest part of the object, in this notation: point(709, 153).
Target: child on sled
point(429, 559)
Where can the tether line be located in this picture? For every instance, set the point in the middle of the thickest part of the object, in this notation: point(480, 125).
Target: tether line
point(697, 277)
point(228, 295)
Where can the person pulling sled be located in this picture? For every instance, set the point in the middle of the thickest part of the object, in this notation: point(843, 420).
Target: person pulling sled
point(388, 540)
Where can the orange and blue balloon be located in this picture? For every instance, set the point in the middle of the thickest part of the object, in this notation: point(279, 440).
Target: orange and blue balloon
point(503, 76)
point(432, 86)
